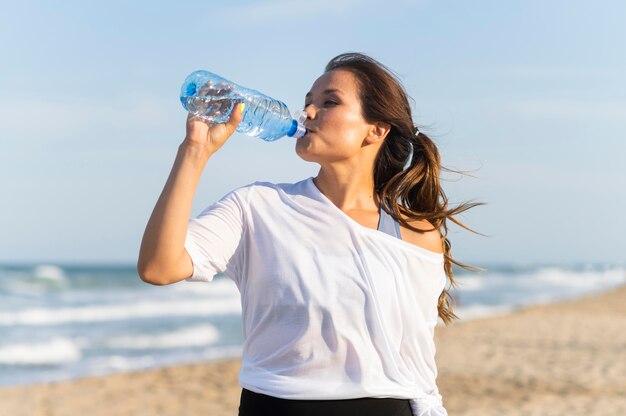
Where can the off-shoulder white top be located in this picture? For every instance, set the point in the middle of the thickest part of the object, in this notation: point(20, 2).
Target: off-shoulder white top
point(331, 309)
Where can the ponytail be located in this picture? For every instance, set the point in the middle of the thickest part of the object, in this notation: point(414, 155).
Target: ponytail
point(413, 192)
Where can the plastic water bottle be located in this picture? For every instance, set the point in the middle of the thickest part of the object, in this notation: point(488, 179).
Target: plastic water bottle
point(213, 98)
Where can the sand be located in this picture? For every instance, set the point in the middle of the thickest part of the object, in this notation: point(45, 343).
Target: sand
point(566, 358)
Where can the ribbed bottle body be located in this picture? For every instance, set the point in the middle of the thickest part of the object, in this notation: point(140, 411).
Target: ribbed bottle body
point(213, 98)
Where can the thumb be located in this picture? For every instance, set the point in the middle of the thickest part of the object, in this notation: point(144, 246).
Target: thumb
point(235, 118)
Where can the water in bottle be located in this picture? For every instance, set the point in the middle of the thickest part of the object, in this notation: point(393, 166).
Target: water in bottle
point(213, 98)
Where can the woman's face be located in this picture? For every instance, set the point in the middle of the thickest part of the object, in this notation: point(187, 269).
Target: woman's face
point(335, 124)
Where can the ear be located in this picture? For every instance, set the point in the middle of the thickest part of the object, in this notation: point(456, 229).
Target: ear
point(378, 132)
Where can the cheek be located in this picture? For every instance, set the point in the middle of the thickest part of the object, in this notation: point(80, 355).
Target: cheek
point(348, 128)
point(339, 136)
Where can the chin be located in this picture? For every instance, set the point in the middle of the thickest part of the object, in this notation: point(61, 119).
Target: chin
point(304, 153)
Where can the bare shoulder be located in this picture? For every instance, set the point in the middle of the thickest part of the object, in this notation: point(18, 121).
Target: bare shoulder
point(429, 240)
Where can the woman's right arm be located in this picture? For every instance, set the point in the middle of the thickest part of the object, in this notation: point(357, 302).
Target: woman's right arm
point(162, 257)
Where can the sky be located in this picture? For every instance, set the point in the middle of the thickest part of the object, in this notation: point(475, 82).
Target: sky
point(528, 97)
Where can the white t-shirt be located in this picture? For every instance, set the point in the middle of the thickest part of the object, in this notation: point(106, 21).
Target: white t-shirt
point(331, 309)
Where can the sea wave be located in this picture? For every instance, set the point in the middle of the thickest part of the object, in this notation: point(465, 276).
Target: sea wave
point(49, 272)
point(193, 336)
point(62, 322)
point(53, 352)
point(481, 311)
point(495, 293)
point(146, 309)
point(554, 276)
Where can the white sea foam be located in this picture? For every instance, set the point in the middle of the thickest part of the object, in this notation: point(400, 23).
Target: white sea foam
point(49, 272)
point(481, 311)
point(548, 277)
point(585, 279)
point(54, 352)
point(121, 363)
point(222, 352)
point(148, 309)
point(219, 287)
point(471, 283)
point(117, 363)
point(496, 293)
point(35, 281)
point(195, 336)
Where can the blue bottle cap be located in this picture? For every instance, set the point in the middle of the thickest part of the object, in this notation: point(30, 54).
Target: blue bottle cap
point(300, 129)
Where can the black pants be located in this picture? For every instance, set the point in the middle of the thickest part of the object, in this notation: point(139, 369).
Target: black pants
point(255, 404)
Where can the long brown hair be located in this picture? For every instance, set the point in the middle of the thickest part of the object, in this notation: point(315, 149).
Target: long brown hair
point(415, 192)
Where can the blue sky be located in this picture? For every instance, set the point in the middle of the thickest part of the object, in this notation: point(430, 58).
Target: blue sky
point(527, 95)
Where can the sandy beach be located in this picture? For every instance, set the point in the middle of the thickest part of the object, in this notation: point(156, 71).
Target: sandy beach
point(566, 358)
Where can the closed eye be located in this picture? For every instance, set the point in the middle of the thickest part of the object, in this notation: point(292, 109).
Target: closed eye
point(327, 102)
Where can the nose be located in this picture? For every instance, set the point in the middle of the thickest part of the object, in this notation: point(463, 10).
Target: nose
point(310, 111)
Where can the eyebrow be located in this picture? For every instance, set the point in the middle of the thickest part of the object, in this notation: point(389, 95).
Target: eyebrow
point(308, 94)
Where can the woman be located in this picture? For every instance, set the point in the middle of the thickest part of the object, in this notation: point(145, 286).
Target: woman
point(342, 276)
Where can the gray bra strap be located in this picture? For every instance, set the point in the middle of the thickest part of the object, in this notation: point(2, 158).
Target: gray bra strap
point(388, 224)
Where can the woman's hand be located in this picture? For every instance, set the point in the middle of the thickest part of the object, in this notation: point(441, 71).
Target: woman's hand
point(209, 138)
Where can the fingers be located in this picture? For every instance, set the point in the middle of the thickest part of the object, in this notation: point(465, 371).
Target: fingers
point(191, 117)
point(235, 118)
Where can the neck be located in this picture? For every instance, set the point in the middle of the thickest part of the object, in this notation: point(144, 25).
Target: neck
point(348, 190)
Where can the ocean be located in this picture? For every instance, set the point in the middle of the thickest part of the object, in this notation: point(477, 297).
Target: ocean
point(61, 322)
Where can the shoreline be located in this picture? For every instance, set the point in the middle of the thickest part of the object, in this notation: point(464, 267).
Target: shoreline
point(561, 358)
point(467, 313)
